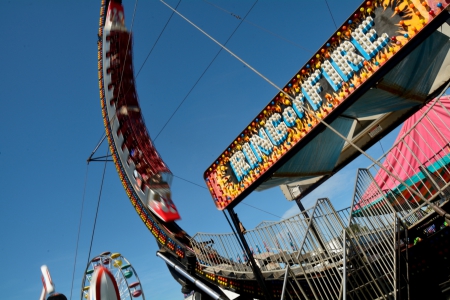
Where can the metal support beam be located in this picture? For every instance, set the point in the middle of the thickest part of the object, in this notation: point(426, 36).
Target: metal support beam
point(344, 267)
point(256, 271)
point(286, 275)
point(313, 228)
point(96, 148)
point(101, 158)
point(190, 268)
point(343, 287)
point(436, 208)
point(192, 279)
point(348, 117)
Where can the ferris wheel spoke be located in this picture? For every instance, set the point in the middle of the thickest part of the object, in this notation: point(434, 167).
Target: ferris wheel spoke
point(121, 272)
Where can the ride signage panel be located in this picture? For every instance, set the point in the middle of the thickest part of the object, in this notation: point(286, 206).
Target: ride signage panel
point(371, 37)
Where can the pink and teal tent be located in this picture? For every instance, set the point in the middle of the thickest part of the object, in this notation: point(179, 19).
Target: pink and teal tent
point(420, 152)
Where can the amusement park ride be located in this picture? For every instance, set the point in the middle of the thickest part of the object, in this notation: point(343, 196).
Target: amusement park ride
point(108, 276)
point(391, 243)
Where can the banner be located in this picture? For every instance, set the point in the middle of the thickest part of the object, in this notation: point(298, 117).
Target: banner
point(370, 38)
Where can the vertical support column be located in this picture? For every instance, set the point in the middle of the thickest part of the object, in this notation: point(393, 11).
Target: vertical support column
point(285, 280)
point(396, 272)
point(256, 271)
point(300, 206)
point(344, 270)
point(190, 268)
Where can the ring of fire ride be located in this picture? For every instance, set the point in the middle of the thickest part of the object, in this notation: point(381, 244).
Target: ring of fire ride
point(353, 60)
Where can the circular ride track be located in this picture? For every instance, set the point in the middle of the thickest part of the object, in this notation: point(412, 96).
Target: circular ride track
point(135, 157)
point(146, 178)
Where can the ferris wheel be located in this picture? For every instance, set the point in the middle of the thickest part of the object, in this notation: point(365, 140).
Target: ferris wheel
point(108, 268)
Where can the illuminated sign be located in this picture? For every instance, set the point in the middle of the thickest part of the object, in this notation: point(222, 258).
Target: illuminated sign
point(369, 39)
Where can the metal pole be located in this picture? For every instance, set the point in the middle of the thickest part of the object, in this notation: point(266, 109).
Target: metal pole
point(256, 271)
point(286, 275)
point(95, 149)
point(372, 271)
point(344, 271)
point(195, 281)
point(395, 271)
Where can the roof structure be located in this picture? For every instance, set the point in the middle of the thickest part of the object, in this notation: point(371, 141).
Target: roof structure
point(418, 148)
point(411, 83)
point(420, 158)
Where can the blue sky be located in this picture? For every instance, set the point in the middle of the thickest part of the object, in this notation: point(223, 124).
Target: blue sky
point(52, 121)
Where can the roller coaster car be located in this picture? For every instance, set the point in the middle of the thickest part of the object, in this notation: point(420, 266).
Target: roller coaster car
point(160, 202)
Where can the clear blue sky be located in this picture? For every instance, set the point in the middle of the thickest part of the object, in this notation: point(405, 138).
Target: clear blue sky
point(52, 121)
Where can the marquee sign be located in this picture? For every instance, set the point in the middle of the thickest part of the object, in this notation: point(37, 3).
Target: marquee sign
point(370, 38)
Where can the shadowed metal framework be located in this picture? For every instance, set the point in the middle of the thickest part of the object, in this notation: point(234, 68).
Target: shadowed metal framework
point(290, 249)
point(307, 250)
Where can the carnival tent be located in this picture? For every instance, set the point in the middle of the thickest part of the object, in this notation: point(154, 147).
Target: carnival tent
point(420, 158)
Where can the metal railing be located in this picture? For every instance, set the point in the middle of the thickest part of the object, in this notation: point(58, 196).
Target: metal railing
point(421, 158)
point(273, 246)
point(309, 247)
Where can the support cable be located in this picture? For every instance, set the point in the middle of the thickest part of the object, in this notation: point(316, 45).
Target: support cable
point(261, 210)
point(234, 232)
point(196, 184)
point(437, 209)
point(222, 46)
point(207, 68)
point(193, 183)
point(79, 228)
point(156, 42)
point(106, 160)
point(102, 158)
point(260, 27)
point(382, 149)
point(332, 18)
point(148, 55)
point(98, 205)
point(102, 138)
